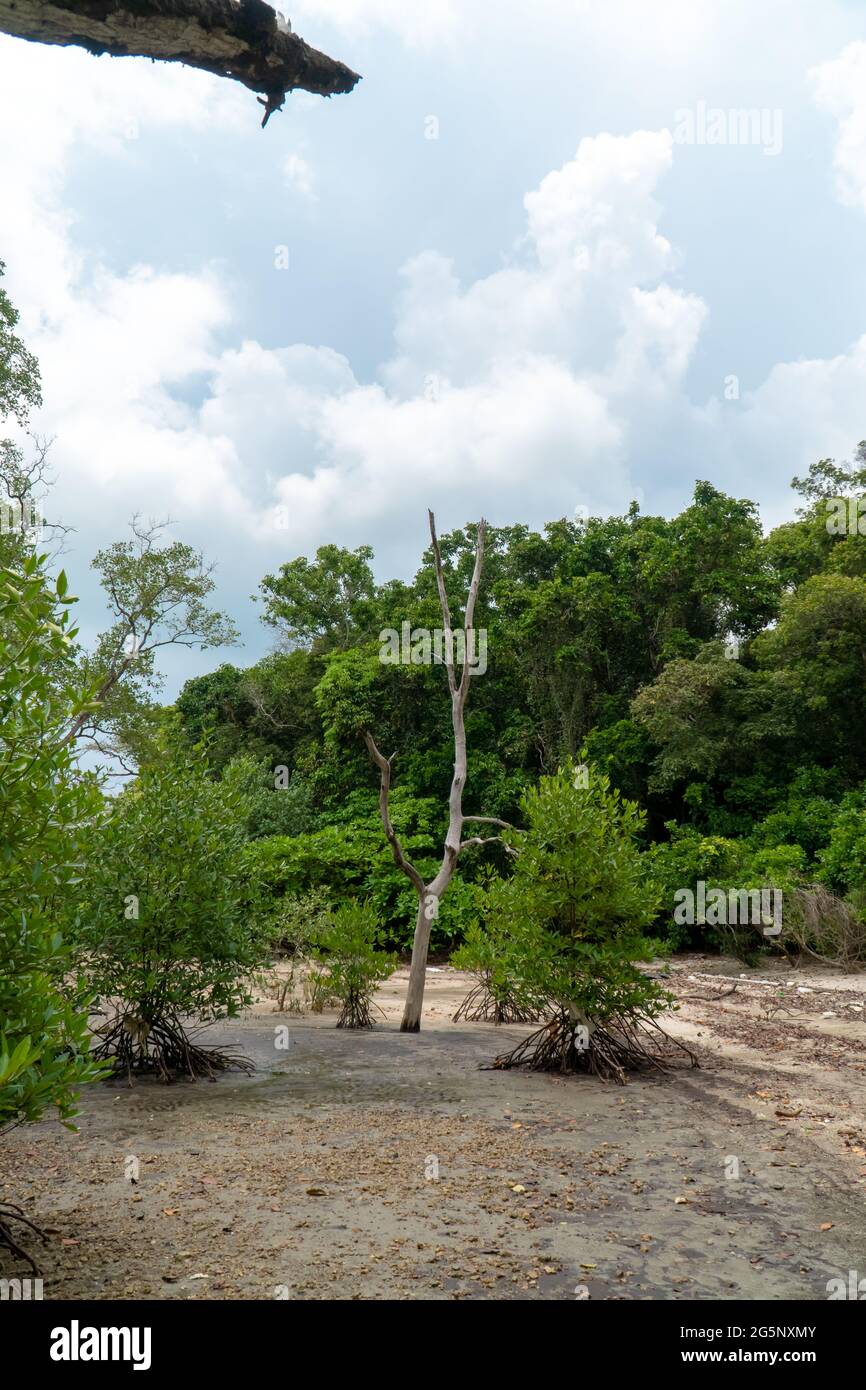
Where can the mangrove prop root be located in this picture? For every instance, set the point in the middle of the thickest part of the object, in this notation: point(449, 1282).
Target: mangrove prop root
point(164, 1049)
point(357, 1011)
point(9, 1212)
point(482, 1006)
point(615, 1048)
point(355, 1014)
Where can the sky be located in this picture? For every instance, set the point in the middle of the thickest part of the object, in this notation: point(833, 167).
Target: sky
point(541, 262)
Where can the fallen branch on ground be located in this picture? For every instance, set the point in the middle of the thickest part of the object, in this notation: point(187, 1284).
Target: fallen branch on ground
point(708, 998)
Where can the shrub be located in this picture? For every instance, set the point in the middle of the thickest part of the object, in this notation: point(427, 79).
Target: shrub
point(497, 995)
point(274, 808)
point(348, 951)
point(690, 858)
point(46, 808)
point(843, 860)
point(806, 823)
point(574, 916)
point(687, 858)
point(295, 927)
point(165, 930)
point(349, 860)
point(825, 927)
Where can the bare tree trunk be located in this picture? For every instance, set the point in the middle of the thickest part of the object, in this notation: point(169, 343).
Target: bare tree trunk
point(240, 39)
point(429, 894)
point(411, 1022)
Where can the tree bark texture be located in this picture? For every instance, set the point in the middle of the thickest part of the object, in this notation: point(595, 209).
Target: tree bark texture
point(239, 39)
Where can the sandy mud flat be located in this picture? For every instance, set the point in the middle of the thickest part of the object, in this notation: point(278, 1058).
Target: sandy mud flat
point(379, 1166)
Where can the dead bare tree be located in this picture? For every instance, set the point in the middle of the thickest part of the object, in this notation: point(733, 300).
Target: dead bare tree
point(240, 39)
point(430, 893)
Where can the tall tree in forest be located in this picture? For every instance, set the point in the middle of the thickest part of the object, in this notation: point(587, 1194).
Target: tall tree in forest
point(157, 598)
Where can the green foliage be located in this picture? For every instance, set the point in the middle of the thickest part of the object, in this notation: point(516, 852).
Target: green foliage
point(575, 912)
point(706, 715)
point(158, 598)
point(843, 860)
point(295, 926)
point(19, 371)
point(680, 863)
point(607, 640)
point(47, 809)
point(690, 857)
point(299, 920)
point(351, 859)
point(278, 804)
point(500, 995)
point(267, 711)
point(803, 821)
point(327, 600)
point(164, 926)
point(348, 947)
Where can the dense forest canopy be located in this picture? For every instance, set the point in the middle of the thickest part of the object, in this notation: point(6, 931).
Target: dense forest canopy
point(714, 672)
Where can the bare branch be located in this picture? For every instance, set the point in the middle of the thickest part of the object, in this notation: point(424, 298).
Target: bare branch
point(469, 612)
point(238, 39)
point(384, 766)
point(487, 840)
point(443, 604)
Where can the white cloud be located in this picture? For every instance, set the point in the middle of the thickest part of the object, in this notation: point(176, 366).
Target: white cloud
point(677, 27)
point(803, 411)
point(840, 87)
point(111, 347)
point(555, 381)
point(524, 382)
point(525, 379)
point(299, 175)
point(55, 101)
point(812, 407)
point(420, 25)
point(598, 210)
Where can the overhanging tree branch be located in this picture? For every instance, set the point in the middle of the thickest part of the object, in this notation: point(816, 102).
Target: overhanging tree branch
point(240, 39)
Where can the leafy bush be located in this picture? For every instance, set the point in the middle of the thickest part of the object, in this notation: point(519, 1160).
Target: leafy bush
point(165, 931)
point(498, 996)
point(278, 804)
point(348, 949)
point(804, 820)
point(843, 860)
point(574, 916)
point(46, 810)
point(296, 925)
point(690, 858)
point(687, 858)
point(350, 859)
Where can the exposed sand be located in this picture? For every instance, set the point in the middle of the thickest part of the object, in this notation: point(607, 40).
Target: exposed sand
point(310, 1178)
